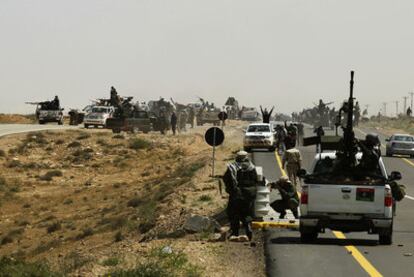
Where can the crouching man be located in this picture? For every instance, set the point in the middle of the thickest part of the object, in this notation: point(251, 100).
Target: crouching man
point(290, 198)
point(240, 180)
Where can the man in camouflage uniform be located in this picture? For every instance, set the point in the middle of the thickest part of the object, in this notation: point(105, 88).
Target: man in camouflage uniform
point(240, 180)
point(292, 162)
point(290, 198)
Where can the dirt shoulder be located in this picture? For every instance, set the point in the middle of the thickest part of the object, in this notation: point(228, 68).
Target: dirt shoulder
point(17, 119)
point(90, 203)
point(391, 126)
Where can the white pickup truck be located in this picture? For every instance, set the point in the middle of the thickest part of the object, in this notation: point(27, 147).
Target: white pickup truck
point(346, 203)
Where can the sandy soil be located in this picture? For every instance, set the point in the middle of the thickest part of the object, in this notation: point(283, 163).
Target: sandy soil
point(77, 198)
point(17, 118)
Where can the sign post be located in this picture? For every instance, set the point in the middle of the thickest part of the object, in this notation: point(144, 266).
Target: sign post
point(214, 137)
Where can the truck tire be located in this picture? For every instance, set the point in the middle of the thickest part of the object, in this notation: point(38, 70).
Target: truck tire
point(60, 122)
point(308, 234)
point(247, 149)
point(86, 126)
point(41, 122)
point(385, 236)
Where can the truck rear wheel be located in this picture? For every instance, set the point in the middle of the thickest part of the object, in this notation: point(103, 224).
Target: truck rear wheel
point(308, 234)
point(385, 236)
point(60, 122)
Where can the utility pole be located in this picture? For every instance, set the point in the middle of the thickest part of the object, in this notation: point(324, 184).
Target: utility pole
point(405, 104)
point(412, 94)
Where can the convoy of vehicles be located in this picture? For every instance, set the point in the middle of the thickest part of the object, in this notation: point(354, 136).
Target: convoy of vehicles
point(400, 144)
point(259, 136)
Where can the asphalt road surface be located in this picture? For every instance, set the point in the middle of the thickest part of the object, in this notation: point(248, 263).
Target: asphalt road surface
point(335, 253)
point(7, 129)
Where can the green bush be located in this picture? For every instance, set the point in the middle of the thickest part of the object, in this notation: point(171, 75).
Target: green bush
point(138, 143)
point(205, 198)
point(17, 268)
point(50, 174)
point(113, 261)
point(161, 264)
point(74, 144)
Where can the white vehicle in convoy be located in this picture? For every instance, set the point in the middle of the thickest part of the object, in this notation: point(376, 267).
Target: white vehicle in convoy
point(346, 203)
point(97, 115)
point(259, 135)
point(249, 114)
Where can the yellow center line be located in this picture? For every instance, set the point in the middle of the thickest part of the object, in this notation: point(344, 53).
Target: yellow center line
point(279, 162)
point(356, 254)
point(363, 262)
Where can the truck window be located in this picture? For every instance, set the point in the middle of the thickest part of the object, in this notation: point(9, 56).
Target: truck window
point(324, 173)
point(258, 128)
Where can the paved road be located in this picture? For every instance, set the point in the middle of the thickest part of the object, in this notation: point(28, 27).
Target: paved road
point(7, 129)
point(358, 254)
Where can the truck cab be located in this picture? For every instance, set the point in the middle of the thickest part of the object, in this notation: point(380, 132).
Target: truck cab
point(346, 201)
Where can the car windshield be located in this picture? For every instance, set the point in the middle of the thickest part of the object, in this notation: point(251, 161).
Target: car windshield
point(403, 138)
point(327, 171)
point(258, 128)
point(100, 110)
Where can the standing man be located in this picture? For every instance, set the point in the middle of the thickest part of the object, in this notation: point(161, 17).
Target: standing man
point(290, 198)
point(174, 123)
point(266, 115)
point(191, 116)
point(240, 180)
point(409, 112)
point(292, 162)
point(300, 132)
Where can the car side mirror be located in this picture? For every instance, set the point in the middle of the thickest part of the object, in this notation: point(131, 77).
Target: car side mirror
point(302, 173)
point(395, 176)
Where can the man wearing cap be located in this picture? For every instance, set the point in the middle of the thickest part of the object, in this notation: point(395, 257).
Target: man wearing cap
point(240, 180)
point(290, 198)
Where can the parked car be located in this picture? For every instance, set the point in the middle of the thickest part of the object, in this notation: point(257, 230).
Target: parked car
point(400, 144)
point(259, 135)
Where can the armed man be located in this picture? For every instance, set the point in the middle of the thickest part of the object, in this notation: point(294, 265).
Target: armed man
point(292, 161)
point(173, 122)
point(240, 180)
point(290, 198)
point(371, 153)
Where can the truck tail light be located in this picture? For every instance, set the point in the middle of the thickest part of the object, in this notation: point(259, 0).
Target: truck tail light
point(304, 195)
point(388, 198)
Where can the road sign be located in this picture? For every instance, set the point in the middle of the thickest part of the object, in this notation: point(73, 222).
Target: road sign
point(223, 116)
point(214, 136)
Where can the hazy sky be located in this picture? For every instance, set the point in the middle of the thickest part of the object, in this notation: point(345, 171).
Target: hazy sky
point(284, 53)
